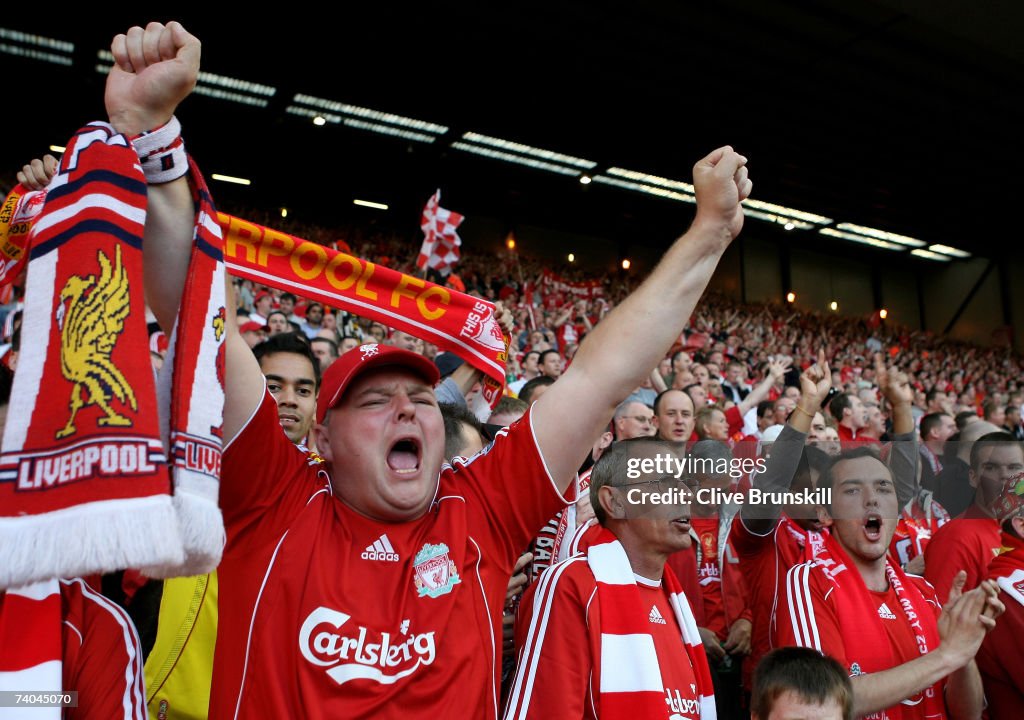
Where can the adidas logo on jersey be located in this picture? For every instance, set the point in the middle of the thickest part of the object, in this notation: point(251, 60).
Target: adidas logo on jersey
point(885, 613)
point(381, 550)
point(655, 616)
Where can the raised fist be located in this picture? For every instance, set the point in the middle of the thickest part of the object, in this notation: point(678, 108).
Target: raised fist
point(154, 69)
point(721, 183)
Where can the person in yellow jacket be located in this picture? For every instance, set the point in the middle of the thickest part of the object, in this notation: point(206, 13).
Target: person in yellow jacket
point(180, 665)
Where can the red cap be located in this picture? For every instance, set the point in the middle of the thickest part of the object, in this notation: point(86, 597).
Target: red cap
point(355, 362)
point(260, 295)
point(251, 326)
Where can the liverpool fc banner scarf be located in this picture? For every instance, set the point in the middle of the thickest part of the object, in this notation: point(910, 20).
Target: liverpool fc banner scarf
point(84, 477)
point(453, 321)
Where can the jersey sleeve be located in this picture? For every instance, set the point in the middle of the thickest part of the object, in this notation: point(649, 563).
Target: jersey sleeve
point(264, 476)
point(747, 544)
point(735, 596)
point(509, 490)
point(102, 657)
point(806, 616)
point(554, 645)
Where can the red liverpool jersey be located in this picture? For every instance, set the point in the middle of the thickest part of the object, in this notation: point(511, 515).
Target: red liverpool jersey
point(327, 613)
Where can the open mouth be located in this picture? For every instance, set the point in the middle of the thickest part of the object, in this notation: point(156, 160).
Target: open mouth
point(683, 523)
point(404, 456)
point(286, 419)
point(873, 528)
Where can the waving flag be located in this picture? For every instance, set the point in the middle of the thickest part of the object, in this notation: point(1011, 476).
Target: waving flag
point(441, 242)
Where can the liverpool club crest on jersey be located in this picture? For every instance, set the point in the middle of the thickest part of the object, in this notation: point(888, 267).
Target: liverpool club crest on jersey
point(435, 573)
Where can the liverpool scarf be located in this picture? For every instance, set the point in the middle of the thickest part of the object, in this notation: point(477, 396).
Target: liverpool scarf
point(453, 321)
point(84, 481)
point(810, 542)
point(631, 683)
point(869, 649)
point(17, 214)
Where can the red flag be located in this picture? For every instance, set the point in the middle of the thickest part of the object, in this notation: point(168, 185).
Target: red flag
point(441, 242)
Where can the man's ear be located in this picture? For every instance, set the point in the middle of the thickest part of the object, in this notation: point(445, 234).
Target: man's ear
point(322, 440)
point(824, 517)
point(611, 503)
point(972, 478)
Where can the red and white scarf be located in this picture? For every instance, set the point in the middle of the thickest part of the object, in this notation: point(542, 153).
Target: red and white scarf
point(567, 523)
point(30, 636)
point(868, 649)
point(812, 542)
point(84, 481)
point(631, 682)
point(452, 320)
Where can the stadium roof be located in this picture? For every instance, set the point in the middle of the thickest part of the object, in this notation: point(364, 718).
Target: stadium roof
point(898, 115)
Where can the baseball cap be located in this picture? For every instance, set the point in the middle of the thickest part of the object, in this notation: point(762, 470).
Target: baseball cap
point(447, 363)
point(354, 363)
point(1011, 498)
point(251, 326)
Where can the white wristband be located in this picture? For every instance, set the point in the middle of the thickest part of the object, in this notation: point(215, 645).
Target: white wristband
point(162, 153)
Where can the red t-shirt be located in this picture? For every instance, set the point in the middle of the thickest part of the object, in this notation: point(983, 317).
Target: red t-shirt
point(811, 618)
point(560, 660)
point(326, 613)
point(970, 542)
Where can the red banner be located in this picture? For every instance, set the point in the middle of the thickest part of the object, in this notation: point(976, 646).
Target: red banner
point(453, 321)
point(588, 289)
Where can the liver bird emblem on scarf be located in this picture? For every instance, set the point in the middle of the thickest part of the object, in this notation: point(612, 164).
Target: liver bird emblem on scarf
point(91, 318)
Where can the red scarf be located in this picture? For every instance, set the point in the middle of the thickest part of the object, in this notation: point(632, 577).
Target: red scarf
point(868, 649)
point(84, 481)
point(447, 318)
point(16, 217)
point(811, 542)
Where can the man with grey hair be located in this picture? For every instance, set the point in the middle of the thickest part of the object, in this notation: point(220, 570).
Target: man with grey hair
point(582, 664)
point(633, 419)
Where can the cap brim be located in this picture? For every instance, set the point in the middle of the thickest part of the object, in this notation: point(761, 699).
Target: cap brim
point(417, 364)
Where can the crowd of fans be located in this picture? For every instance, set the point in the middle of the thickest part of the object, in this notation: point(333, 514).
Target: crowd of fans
point(953, 376)
point(892, 454)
